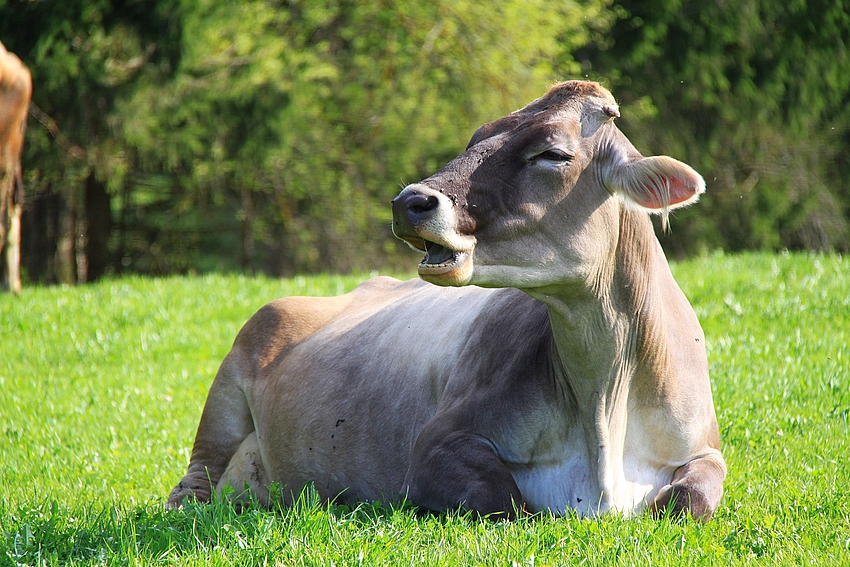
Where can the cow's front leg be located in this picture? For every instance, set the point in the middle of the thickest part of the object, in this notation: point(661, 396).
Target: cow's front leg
point(460, 469)
point(696, 489)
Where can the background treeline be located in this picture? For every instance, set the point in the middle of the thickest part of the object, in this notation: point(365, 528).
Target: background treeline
point(182, 135)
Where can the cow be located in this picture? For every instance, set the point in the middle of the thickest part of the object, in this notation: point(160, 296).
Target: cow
point(15, 94)
point(555, 365)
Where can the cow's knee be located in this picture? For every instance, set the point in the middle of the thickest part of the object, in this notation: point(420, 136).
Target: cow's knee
point(461, 470)
point(696, 489)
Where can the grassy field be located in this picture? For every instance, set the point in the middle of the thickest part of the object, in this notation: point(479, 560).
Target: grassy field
point(101, 389)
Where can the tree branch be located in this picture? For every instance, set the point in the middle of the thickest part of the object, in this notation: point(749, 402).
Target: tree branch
point(53, 128)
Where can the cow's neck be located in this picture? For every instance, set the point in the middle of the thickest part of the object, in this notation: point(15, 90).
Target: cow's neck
point(610, 325)
point(608, 336)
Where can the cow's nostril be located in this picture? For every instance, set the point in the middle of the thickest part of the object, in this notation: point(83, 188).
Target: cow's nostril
point(418, 203)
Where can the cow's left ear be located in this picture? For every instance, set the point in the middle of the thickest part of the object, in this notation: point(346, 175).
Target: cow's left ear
point(655, 184)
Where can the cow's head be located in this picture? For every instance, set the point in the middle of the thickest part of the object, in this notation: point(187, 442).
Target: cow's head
point(536, 197)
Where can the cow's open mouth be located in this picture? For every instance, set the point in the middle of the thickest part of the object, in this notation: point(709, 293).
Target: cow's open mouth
point(442, 265)
point(438, 258)
point(437, 255)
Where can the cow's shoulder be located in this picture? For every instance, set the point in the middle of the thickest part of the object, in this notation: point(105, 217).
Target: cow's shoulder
point(513, 320)
point(510, 346)
point(505, 385)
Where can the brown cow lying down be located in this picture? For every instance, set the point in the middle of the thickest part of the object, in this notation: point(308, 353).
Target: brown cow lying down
point(575, 376)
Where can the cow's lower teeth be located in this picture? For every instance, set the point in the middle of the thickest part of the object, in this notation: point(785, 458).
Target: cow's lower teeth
point(436, 255)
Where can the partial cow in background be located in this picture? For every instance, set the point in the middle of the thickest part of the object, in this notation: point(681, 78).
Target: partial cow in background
point(15, 94)
point(588, 391)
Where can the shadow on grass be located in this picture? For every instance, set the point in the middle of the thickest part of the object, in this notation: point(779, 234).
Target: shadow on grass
point(51, 533)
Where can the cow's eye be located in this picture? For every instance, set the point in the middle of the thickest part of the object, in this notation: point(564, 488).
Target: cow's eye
point(554, 155)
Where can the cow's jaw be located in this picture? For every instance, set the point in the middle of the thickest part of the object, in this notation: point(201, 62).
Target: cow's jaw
point(444, 266)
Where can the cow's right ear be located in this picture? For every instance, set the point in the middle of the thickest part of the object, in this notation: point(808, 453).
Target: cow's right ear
point(654, 184)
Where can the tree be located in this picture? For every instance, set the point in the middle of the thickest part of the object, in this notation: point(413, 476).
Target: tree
point(261, 135)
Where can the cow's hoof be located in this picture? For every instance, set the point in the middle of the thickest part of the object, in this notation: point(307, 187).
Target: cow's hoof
point(187, 491)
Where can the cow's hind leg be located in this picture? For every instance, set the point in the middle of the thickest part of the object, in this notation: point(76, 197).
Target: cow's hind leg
point(225, 423)
point(463, 470)
point(246, 474)
point(696, 489)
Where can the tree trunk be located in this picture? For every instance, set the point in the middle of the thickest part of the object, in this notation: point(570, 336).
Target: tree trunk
point(98, 228)
point(247, 218)
point(66, 249)
point(41, 230)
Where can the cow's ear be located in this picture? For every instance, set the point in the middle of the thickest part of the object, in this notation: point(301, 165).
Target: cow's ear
point(655, 184)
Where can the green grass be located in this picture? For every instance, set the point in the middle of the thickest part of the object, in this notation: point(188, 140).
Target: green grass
point(101, 389)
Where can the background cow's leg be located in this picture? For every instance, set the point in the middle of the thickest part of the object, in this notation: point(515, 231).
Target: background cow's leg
point(696, 489)
point(461, 469)
point(225, 423)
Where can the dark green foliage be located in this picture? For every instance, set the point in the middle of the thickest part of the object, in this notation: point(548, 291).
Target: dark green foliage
point(86, 57)
point(754, 94)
